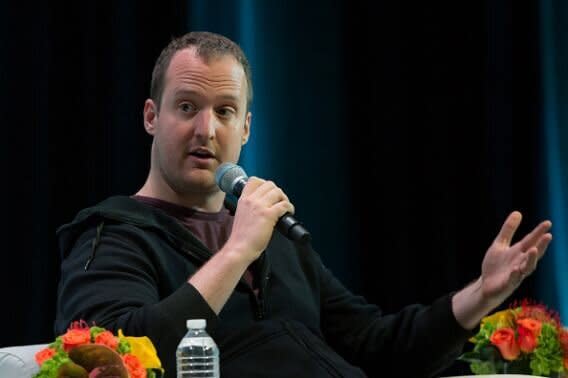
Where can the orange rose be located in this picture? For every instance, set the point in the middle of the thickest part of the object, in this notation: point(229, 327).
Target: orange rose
point(526, 339)
point(532, 325)
point(504, 340)
point(107, 338)
point(529, 330)
point(44, 354)
point(75, 337)
point(134, 366)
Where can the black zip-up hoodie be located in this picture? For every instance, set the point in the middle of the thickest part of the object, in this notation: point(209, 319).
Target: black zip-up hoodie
point(126, 265)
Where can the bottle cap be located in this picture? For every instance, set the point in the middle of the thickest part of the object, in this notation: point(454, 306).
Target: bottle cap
point(196, 323)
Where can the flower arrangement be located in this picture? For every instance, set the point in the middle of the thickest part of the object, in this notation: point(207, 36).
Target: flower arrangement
point(527, 338)
point(94, 352)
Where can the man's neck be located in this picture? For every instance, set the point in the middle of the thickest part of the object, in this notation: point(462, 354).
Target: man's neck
point(207, 202)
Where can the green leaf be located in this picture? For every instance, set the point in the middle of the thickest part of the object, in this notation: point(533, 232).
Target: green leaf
point(484, 360)
point(50, 367)
point(95, 331)
point(483, 367)
point(547, 356)
point(123, 346)
point(519, 366)
point(57, 344)
point(470, 357)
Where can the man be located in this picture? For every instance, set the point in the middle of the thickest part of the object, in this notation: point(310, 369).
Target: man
point(172, 252)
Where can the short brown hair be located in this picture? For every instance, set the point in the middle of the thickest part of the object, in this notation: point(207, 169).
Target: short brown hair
point(207, 45)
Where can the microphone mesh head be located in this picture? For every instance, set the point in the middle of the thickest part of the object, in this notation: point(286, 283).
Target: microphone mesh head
point(226, 176)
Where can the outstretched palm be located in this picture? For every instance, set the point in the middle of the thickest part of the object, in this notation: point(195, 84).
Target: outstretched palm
point(505, 265)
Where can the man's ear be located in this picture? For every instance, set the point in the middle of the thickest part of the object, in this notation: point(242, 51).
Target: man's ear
point(150, 116)
point(246, 131)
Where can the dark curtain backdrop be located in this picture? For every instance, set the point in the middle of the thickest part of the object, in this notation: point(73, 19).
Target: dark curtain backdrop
point(403, 134)
point(554, 136)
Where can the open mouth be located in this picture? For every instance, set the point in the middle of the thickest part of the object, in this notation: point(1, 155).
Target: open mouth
point(202, 153)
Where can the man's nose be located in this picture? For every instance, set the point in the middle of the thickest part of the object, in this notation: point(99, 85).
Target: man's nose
point(204, 123)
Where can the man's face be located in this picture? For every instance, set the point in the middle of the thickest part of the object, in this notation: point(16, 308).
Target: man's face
point(202, 121)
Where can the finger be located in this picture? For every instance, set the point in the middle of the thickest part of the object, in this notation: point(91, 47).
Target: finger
point(542, 244)
point(519, 268)
point(274, 196)
point(509, 227)
point(530, 263)
point(282, 208)
point(269, 193)
point(251, 186)
point(516, 275)
point(265, 187)
point(534, 236)
point(265, 193)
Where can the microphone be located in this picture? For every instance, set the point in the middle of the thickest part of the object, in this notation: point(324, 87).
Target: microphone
point(232, 179)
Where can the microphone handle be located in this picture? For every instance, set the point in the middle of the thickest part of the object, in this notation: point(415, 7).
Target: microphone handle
point(292, 229)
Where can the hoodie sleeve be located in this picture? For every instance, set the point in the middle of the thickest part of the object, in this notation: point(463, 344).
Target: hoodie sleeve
point(121, 289)
point(418, 341)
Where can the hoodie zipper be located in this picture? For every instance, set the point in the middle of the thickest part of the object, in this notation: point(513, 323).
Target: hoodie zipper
point(261, 299)
point(94, 245)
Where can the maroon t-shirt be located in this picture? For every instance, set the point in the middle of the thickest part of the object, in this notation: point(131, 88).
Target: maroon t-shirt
point(212, 229)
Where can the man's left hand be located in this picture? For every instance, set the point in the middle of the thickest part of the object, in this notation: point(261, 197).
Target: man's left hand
point(505, 266)
point(503, 269)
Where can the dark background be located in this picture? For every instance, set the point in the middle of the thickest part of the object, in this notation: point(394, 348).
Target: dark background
point(390, 126)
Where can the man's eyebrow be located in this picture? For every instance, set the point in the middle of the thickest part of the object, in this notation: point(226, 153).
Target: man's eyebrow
point(183, 92)
point(189, 92)
point(229, 97)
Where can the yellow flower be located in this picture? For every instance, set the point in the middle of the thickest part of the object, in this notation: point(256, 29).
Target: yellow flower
point(500, 319)
point(143, 348)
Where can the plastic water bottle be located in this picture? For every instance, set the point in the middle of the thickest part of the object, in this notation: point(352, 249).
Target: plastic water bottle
point(197, 354)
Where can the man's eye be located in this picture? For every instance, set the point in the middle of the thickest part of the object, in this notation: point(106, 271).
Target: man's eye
point(226, 111)
point(186, 107)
